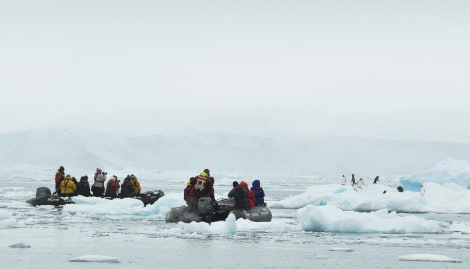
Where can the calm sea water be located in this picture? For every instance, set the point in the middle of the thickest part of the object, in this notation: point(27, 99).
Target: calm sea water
point(149, 242)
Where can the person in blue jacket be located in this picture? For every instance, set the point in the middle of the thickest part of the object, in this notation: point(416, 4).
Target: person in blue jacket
point(258, 192)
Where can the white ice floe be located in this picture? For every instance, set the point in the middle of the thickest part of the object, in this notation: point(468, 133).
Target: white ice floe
point(95, 258)
point(342, 249)
point(428, 258)
point(227, 227)
point(332, 219)
point(445, 186)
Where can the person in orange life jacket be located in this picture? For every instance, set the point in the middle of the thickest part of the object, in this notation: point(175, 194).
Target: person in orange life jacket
point(240, 195)
point(251, 196)
point(67, 186)
point(258, 192)
point(127, 190)
point(136, 184)
point(189, 191)
point(112, 188)
point(98, 186)
point(59, 176)
point(83, 187)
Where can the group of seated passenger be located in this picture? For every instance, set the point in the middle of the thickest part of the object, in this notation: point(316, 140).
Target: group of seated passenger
point(246, 198)
point(68, 185)
point(202, 185)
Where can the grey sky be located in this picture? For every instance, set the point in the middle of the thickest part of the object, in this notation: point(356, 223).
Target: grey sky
point(85, 61)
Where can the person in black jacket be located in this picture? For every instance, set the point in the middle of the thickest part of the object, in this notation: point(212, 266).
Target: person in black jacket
point(127, 190)
point(83, 187)
point(240, 195)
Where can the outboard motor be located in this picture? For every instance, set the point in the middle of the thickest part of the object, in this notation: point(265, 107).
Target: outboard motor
point(43, 192)
point(204, 206)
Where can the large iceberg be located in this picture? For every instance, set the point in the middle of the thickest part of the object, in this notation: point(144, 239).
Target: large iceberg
point(446, 171)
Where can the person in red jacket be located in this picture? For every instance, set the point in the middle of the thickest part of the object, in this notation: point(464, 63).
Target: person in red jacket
point(59, 176)
point(112, 188)
point(251, 195)
point(202, 188)
point(212, 180)
point(189, 191)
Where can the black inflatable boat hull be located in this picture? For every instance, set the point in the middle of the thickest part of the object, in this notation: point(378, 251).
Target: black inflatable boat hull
point(49, 200)
point(149, 197)
point(220, 213)
point(255, 214)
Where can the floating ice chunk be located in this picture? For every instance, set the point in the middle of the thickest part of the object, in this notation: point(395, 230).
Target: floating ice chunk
point(329, 218)
point(227, 227)
point(20, 245)
point(428, 258)
point(342, 249)
point(95, 258)
point(446, 171)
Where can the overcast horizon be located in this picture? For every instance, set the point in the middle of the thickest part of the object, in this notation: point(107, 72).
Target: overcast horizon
point(381, 69)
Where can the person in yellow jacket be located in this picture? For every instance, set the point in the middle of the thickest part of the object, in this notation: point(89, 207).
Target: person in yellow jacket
point(67, 186)
point(135, 184)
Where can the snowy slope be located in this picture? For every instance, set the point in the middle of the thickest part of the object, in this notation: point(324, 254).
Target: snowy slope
point(230, 152)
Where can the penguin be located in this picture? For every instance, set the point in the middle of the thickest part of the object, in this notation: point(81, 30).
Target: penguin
point(353, 180)
point(360, 183)
point(343, 180)
point(376, 180)
point(400, 189)
point(421, 190)
point(385, 191)
point(355, 186)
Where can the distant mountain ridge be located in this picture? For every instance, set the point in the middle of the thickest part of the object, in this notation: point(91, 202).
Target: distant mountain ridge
point(229, 152)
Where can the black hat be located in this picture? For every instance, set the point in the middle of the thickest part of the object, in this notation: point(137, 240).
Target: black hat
point(235, 184)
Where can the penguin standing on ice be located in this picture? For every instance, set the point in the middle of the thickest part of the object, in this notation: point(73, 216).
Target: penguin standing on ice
point(421, 190)
point(376, 180)
point(353, 180)
point(360, 183)
point(343, 180)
